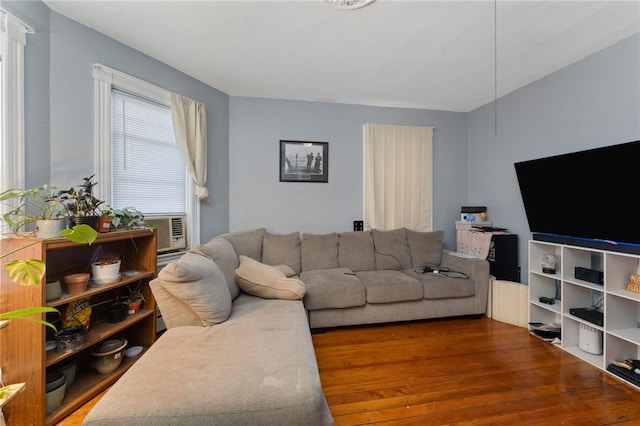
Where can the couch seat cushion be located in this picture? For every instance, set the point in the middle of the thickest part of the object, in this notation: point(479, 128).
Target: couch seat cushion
point(269, 282)
point(386, 286)
point(439, 286)
point(197, 282)
point(332, 288)
point(258, 368)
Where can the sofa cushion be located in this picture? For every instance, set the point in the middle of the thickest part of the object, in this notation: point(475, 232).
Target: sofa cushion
point(332, 288)
point(439, 286)
point(319, 251)
point(269, 282)
point(282, 249)
point(391, 249)
point(355, 251)
point(425, 247)
point(223, 253)
point(198, 282)
point(386, 286)
point(247, 243)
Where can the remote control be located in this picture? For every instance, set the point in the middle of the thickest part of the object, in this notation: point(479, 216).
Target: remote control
point(547, 300)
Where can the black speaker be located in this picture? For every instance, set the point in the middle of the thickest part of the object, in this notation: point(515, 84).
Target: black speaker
point(591, 275)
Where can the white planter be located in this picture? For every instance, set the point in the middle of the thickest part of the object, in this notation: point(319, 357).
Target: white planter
point(50, 228)
point(105, 274)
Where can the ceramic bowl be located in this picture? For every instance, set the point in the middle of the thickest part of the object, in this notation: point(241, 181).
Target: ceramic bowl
point(53, 290)
point(106, 362)
point(67, 367)
point(55, 379)
point(133, 351)
point(54, 397)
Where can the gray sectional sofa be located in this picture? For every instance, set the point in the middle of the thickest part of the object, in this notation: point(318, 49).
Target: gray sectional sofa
point(239, 310)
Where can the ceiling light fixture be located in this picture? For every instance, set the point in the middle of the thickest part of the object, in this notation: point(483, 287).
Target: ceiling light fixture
point(348, 4)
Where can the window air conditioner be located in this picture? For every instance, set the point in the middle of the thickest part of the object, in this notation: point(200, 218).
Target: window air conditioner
point(170, 232)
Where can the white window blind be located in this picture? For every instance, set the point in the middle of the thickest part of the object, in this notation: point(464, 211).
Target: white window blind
point(148, 172)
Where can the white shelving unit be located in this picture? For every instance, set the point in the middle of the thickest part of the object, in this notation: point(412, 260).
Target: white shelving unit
point(620, 332)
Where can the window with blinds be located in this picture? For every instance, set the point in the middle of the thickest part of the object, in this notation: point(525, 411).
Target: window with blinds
point(148, 172)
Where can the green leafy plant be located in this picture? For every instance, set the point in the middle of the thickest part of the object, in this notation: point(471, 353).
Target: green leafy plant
point(134, 293)
point(81, 202)
point(28, 205)
point(127, 217)
point(29, 272)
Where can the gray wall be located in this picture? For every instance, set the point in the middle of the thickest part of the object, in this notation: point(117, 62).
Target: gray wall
point(60, 118)
point(259, 199)
point(592, 103)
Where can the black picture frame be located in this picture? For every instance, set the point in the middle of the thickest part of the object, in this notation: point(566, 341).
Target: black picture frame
point(304, 161)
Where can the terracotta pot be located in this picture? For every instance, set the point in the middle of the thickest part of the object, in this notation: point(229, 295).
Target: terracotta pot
point(104, 224)
point(134, 307)
point(76, 283)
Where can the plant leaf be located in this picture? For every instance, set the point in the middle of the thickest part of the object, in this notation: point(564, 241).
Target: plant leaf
point(83, 234)
point(26, 272)
point(25, 314)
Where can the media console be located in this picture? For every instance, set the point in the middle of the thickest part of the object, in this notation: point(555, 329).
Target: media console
point(620, 307)
point(588, 243)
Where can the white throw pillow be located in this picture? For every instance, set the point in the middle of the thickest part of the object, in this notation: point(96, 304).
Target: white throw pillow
point(269, 282)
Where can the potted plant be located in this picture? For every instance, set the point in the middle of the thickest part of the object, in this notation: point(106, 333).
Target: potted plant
point(106, 269)
point(135, 298)
point(39, 205)
point(106, 219)
point(81, 205)
point(127, 218)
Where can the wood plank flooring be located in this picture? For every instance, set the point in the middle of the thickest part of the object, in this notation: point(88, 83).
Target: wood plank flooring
point(459, 371)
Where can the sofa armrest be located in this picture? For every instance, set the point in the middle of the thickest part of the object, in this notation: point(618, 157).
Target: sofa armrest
point(477, 269)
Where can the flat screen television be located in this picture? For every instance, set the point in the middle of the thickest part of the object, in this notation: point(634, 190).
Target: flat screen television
point(585, 198)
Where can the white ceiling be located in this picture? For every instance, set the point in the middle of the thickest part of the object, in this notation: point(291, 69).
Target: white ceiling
point(417, 54)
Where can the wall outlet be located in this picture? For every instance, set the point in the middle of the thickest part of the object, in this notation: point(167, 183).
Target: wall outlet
point(358, 225)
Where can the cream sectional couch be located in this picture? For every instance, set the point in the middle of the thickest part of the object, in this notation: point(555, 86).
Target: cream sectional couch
point(239, 310)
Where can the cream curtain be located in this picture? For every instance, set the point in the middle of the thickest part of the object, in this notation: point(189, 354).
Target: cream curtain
point(398, 177)
point(190, 126)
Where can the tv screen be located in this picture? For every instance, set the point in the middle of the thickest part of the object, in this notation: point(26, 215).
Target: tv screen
point(588, 194)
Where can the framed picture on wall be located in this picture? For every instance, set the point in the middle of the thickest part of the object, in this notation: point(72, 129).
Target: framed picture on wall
point(302, 161)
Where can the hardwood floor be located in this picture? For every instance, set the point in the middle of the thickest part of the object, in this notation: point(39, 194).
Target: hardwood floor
point(460, 371)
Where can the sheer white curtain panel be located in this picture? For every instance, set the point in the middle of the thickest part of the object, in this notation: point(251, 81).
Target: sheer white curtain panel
point(398, 177)
point(190, 125)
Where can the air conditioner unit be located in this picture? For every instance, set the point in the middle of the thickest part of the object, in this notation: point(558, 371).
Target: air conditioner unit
point(170, 232)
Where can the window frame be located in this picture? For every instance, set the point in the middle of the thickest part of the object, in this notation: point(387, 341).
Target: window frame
point(12, 104)
point(106, 79)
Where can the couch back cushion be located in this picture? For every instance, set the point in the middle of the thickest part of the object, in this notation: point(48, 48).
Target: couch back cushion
point(355, 251)
point(247, 243)
point(391, 249)
point(268, 282)
point(282, 249)
point(319, 251)
point(425, 247)
point(222, 252)
point(199, 286)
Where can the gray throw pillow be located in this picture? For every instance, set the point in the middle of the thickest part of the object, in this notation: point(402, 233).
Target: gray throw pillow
point(319, 251)
point(198, 282)
point(282, 249)
point(223, 253)
point(247, 243)
point(391, 249)
point(355, 251)
point(425, 247)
